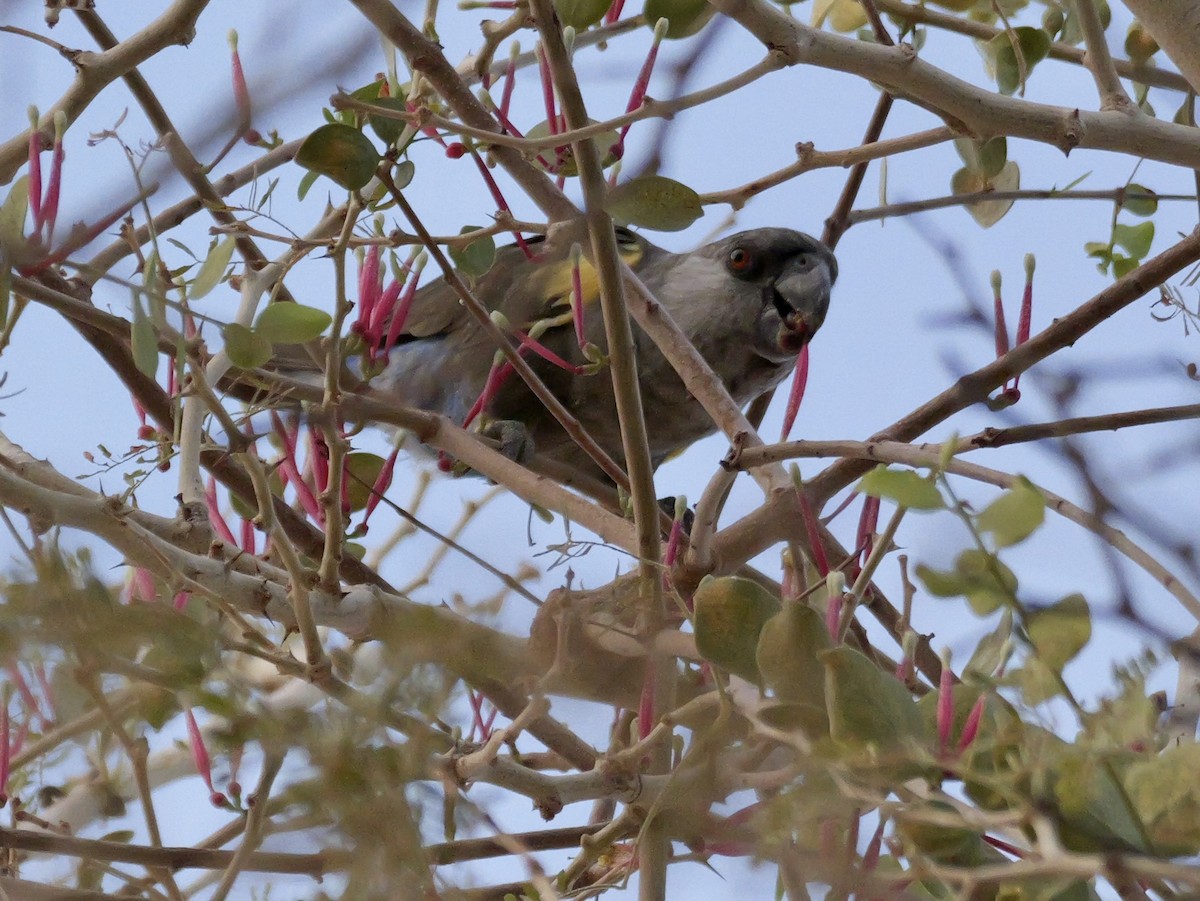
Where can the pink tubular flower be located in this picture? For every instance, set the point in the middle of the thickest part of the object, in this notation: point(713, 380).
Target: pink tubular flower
point(945, 707)
point(971, 726)
point(214, 514)
point(241, 93)
point(638, 95)
point(382, 482)
point(35, 169)
point(796, 395)
point(1024, 323)
point(369, 285)
point(202, 760)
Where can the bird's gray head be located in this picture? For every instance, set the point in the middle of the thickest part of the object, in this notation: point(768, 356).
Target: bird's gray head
point(791, 274)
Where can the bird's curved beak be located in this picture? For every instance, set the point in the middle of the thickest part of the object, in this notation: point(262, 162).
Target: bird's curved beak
point(801, 296)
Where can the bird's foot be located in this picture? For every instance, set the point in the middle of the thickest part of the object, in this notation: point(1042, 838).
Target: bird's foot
point(512, 439)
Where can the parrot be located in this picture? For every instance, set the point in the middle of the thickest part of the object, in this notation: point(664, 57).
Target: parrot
point(749, 303)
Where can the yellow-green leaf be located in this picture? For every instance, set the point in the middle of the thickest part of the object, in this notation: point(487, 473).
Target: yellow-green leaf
point(291, 323)
point(655, 202)
point(842, 15)
point(730, 615)
point(1034, 46)
point(581, 14)
point(143, 341)
point(246, 349)
point(362, 471)
point(867, 706)
point(213, 268)
point(904, 487)
point(1146, 205)
point(684, 17)
point(563, 162)
point(1136, 239)
point(1015, 515)
point(1060, 631)
point(787, 654)
point(12, 215)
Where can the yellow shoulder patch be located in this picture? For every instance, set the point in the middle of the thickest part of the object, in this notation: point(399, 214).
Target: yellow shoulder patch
point(554, 281)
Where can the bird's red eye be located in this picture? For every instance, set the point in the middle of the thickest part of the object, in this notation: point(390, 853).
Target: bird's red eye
point(740, 260)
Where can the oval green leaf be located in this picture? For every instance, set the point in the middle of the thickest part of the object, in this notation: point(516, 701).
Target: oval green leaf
point(867, 706)
point(1015, 515)
point(1059, 632)
point(904, 487)
point(1136, 239)
point(362, 471)
point(730, 615)
point(684, 17)
point(212, 270)
point(787, 655)
point(387, 128)
point(476, 258)
point(245, 349)
point(1034, 46)
point(581, 14)
point(1143, 203)
point(655, 202)
point(143, 342)
point(291, 323)
point(340, 152)
point(563, 162)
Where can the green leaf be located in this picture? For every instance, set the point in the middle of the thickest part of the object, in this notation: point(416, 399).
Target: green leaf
point(340, 152)
point(1140, 206)
point(984, 158)
point(403, 174)
point(684, 17)
point(476, 258)
point(1059, 632)
point(987, 583)
point(1166, 793)
point(655, 202)
point(1091, 806)
point(306, 183)
point(1136, 239)
point(1015, 515)
point(1036, 681)
point(867, 706)
point(581, 14)
point(12, 216)
point(993, 649)
point(143, 343)
point(970, 180)
point(246, 349)
point(563, 162)
point(362, 471)
point(291, 323)
point(953, 845)
point(843, 15)
point(730, 615)
point(1034, 45)
point(387, 128)
point(904, 487)
point(787, 654)
point(212, 270)
point(1123, 265)
point(990, 584)
point(1139, 44)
